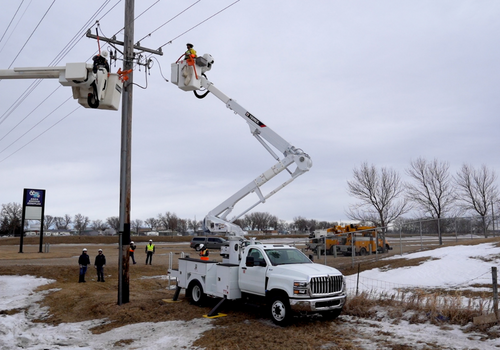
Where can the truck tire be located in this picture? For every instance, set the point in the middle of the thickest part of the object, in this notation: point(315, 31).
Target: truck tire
point(332, 248)
point(195, 293)
point(362, 251)
point(279, 307)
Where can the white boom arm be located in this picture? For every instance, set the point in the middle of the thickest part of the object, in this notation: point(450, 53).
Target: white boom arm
point(93, 86)
point(190, 77)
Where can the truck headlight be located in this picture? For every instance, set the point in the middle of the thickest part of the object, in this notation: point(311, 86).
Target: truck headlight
point(300, 287)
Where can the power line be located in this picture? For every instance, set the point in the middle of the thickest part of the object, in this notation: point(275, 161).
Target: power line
point(36, 124)
point(190, 29)
point(33, 32)
point(15, 14)
point(171, 19)
point(43, 132)
point(15, 27)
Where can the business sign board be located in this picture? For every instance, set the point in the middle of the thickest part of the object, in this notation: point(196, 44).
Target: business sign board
point(33, 204)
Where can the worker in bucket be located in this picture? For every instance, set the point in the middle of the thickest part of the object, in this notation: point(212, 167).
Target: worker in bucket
point(83, 261)
point(190, 53)
point(203, 252)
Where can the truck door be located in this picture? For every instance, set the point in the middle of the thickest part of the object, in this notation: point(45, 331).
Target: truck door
point(252, 279)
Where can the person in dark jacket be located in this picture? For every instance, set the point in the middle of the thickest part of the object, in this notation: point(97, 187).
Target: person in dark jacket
point(99, 263)
point(83, 261)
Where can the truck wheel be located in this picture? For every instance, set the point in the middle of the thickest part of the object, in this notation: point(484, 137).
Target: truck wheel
point(332, 250)
point(280, 309)
point(331, 315)
point(195, 293)
point(362, 251)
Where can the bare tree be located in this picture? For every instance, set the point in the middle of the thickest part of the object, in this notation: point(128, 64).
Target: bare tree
point(300, 223)
point(48, 221)
point(478, 190)
point(98, 225)
point(433, 190)
point(261, 221)
point(379, 193)
point(114, 223)
point(11, 214)
point(152, 223)
point(62, 223)
point(80, 223)
point(169, 221)
point(136, 225)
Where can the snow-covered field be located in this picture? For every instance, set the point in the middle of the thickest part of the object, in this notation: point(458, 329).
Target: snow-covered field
point(453, 267)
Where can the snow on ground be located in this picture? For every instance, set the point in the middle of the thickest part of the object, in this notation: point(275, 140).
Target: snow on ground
point(446, 267)
point(456, 267)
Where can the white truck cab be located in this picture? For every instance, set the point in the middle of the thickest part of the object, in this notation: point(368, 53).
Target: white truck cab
point(280, 275)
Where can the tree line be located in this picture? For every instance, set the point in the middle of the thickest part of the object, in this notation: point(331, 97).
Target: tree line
point(431, 192)
point(11, 217)
point(383, 198)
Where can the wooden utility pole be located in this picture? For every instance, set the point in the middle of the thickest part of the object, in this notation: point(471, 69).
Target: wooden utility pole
point(126, 147)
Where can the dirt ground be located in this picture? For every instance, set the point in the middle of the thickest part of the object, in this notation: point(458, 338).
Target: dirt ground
point(243, 328)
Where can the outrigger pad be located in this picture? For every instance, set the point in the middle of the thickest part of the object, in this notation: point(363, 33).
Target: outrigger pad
point(215, 316)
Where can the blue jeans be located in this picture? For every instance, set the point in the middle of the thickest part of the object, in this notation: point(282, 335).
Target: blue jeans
point(83, 271)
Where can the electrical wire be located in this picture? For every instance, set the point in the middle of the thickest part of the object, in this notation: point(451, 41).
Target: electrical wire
point(15, 27)
point(15, 14)
point(36, 124)
point(190, 29)
point(170, 20)
point(33, 32)
point(15, 126)
point(43, 132)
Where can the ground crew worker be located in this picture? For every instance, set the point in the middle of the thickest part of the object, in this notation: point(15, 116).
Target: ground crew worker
point(190, 53)
point(203, 252)
point(150, 250)
point(131, 250)
point(83, 261)
point(99, 263)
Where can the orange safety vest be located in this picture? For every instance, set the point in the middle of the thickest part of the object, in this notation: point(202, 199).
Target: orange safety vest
point(204, 254)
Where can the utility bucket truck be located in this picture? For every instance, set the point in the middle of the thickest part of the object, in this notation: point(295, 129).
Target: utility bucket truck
point(279, 275)
point(189, 75)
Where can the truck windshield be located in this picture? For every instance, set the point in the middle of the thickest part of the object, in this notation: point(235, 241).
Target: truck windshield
point(286, 256)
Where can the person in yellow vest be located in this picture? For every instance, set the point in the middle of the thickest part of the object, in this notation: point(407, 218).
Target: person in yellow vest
point(190, 53)
point(150, 250)
point(203, 252)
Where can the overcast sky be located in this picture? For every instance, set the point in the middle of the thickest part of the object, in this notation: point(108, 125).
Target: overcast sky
point(381, 82)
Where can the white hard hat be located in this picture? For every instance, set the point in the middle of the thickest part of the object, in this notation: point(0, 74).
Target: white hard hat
point(84, 249)
point(100, 250)
point(132, 242)
point(151, 240)
point(104, 54)
point(201, 246)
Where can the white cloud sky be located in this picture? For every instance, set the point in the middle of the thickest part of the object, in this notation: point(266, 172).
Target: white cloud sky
point(383, 82)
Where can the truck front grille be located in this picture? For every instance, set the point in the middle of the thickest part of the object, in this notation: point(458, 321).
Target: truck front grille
point(326, 284)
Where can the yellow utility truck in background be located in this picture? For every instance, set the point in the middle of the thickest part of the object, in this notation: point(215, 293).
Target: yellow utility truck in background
point(340, 239)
